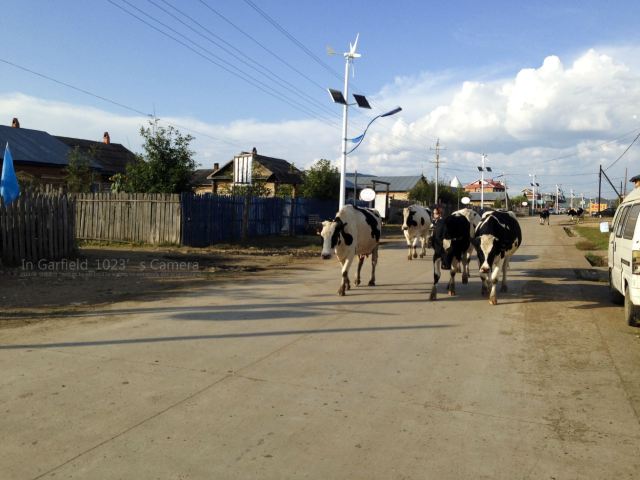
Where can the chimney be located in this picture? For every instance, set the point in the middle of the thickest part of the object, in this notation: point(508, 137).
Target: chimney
point(216, 166)
point(105, 138)
point(15, 123)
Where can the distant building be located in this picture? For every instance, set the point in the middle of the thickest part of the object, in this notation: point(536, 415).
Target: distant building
point(490, 185)
point(249, 167)
point(43, 158)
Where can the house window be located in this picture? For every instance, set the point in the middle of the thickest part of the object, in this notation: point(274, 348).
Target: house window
point(242, 169)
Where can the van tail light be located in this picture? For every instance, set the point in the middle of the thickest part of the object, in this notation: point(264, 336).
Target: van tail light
point(635, 262)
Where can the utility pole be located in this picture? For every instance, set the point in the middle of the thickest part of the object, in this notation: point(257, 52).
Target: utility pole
point(482, 170)
point(533, 184)
point(437, 162)
point(557, 196)
point(571, 204)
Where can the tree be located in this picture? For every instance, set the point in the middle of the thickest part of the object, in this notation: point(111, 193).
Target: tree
point(78, 175)
point(166, 165)
point(425, 191)
point(321, 181)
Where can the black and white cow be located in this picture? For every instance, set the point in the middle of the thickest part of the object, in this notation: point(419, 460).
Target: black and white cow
point(576, 214)
point(544, 216)
point(353, 232)
point(497, 238)
point(474, 220)
point(415, 226)
point(450, 241)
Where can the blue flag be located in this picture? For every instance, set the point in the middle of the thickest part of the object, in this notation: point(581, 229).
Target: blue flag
point(9, 188)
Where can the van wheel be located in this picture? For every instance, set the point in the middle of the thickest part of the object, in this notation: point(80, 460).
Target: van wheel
point(630, 310)
point(615, 296)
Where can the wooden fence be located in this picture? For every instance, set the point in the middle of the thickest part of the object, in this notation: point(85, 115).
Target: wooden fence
point(153, 218)
point(37, 227)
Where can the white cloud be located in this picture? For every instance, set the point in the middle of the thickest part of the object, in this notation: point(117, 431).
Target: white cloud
point(561, 108)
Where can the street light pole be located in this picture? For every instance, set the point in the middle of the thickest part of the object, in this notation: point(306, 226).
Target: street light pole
point(362, 102)
point(345, 115)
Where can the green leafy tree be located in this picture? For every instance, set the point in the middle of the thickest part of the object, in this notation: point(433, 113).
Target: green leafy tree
point(257, 189)
point(321, 181)
point(517, 201)
point(425, 191)
point(166, 165)
point(78, 175)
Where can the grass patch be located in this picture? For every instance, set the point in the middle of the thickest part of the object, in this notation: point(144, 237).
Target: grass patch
point(569, 232)
point(596, 260)
point(594, 237)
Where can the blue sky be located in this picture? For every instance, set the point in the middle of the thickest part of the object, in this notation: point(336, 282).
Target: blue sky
point(540, 88)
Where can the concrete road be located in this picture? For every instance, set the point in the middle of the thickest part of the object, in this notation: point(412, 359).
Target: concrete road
point(278, 377)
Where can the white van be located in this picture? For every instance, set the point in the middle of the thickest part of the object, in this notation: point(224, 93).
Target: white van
point(624, 256)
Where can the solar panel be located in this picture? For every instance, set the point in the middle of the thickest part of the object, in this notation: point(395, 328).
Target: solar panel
point(337, 96)
point(362, 101)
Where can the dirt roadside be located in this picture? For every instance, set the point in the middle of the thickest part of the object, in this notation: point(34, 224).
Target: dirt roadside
point(107, 274)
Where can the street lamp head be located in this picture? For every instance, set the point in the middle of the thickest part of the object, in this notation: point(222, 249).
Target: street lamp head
point(392, 112)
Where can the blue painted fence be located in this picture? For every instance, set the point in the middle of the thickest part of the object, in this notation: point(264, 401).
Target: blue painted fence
point(210, 219)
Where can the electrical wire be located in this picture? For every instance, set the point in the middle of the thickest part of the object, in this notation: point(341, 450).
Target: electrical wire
point(220, 63)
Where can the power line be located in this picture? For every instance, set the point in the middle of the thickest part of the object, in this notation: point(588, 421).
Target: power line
point(218, 41)
point(242, 75)
point(113, 102)
point(261, 45)
point(293, 39)
point(78, 89)
point(623, 153)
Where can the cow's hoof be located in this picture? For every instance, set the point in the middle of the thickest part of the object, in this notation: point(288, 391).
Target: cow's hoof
point(409, 257)
point(341, 292)
point(434, 294)
point(503, 288)
point(357, 283)
point(422, 255)
point(465, 279)
point(415, 255)
point(484, 291)
point(493, 300)
point(372, 283)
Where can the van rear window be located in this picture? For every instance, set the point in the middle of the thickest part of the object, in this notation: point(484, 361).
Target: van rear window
point(620, 221)
point(630, 225)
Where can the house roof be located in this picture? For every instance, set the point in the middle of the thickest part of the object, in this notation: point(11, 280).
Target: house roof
point(111, 158)
point(487, 182)
point(200, 177)
point(34, 146)
point(488, 196)
point(281, 170)
point(396, 183)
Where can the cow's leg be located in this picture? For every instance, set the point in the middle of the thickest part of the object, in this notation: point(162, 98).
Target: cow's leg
point(484, 282)
point(436, 277)
point(466, 258)
point(374, 262)
point(451, 288)
point(493, 298)
point(505, 266)
point(414, 247)
point(346, 284)
point(423, 246)
point(360, 263)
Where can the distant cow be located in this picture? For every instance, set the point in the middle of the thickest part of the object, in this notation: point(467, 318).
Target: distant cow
point(474, 220)
point(544, 216)
point(415, 226)
point(450, 240)
point(354, 232)
point(576, 215)
point(497, 237)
